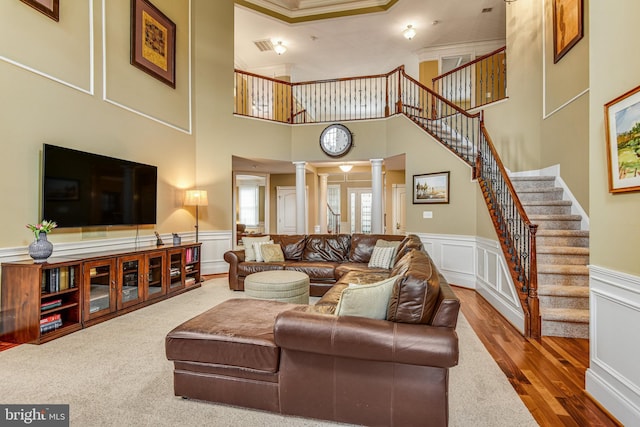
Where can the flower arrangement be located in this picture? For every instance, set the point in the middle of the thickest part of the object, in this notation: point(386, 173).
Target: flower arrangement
point(44, 227)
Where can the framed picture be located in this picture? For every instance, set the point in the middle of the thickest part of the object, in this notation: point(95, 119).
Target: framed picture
point(622, 127)
point(51, 8)
point(431, 188)
point(153, 42)
point(567, 26)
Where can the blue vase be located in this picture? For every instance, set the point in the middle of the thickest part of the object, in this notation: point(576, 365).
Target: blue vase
point(41, 249)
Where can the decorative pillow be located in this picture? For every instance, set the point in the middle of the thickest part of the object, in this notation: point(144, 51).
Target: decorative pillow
point(247, 242)
point(257, 249)
point(381, 257)
point(272, 252)
point(391, 243)
point(366, 300)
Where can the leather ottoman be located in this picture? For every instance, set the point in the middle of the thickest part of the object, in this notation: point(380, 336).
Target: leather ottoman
point(227, 354)
point(278, 285)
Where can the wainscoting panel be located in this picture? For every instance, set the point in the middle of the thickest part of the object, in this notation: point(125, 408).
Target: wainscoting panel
point(476, 263)
point(214, 245)
point(613, 377)
point(494, 282)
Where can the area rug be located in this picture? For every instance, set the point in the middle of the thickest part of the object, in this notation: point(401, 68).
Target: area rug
point(115, 374)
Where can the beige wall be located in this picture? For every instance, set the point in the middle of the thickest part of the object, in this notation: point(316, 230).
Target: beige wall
point(56, 103)
point(614, 218)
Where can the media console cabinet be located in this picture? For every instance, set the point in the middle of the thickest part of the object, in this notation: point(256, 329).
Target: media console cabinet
point(44, 301)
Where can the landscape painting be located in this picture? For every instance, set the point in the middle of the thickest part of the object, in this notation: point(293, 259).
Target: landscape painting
point(431, 188)
point(622, 119)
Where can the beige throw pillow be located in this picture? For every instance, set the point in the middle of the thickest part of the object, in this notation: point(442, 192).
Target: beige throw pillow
point(366, 300)
point(381, 257)
point(257, 249)
point(247, 242)
point(272, 252)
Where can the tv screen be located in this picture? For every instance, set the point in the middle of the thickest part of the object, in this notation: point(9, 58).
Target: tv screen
point(81, 189)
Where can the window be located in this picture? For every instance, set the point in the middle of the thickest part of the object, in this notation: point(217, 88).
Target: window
point(248, 204)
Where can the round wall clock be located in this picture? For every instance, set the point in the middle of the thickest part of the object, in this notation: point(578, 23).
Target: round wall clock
point(336, 140)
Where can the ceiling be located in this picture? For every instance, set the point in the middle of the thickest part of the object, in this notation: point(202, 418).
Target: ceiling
point(328, 39)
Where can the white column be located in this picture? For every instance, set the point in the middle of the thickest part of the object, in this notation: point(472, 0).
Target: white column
point(301, 191)
point(322, 203)
point(377, 210)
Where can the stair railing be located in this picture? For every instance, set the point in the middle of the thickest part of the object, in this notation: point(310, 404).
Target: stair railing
point(476, 83)
point(333, 221)
point(379, 96)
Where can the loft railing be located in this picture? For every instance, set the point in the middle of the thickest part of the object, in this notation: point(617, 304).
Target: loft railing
point(476, 83)
point(462, 132)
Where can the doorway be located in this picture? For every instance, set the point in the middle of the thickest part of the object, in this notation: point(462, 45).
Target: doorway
point(359, 203)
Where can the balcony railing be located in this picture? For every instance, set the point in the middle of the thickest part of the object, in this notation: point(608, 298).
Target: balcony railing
point(444, 117)
point(477, 83)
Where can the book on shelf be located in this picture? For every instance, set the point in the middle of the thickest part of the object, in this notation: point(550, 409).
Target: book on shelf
point(51, 326)
point(190, 281)
point(51, 318)
point(47, 305)
point(57, 279)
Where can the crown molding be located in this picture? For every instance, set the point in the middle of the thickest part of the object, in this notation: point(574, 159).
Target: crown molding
point(314, 10)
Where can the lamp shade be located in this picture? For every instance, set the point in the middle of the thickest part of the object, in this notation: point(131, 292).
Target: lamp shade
point(196, 198)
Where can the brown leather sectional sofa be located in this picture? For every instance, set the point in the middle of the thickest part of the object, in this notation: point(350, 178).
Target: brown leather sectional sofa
point(325, 258)
point(302, 360)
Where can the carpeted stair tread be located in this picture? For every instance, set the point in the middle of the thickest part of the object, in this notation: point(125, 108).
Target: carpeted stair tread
point(555, 218)
point(546, 203)
point(582, 270)
point(563, 291)
point(563, 250)
point(534, 178)
point(563, 233)
point(571, 315)
point(540, 190)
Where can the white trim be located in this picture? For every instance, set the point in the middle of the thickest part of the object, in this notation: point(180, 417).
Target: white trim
point(546, 115)
point(612, 377)
point(90, 90)
point(105, 98)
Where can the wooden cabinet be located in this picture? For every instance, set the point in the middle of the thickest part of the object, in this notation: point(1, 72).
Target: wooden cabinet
point(40, 302)
point(44, 301)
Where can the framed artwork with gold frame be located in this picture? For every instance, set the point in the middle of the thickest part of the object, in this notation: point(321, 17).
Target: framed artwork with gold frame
point(51, 8)
point(153, 42)
point(567, 26)
point(622, 126)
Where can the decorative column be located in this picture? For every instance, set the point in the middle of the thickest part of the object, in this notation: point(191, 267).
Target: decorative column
point(301, 192)
point(377, 210)
point(322, 202)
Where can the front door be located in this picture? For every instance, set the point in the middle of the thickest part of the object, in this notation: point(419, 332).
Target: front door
point(359, 207)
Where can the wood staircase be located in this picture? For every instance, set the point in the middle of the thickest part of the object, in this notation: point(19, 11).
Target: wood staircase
point(562, 254)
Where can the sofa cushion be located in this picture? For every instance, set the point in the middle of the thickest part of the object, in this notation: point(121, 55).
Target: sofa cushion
point(407, 245)
point(362, 245)
point(315, 270)
point(370, 301)
point(364, 276)
point(247, 242)
point(327, 247)
point(247, 268)
point(292, 245)
point(415, 294)
point(272, 253)
point(232, 333)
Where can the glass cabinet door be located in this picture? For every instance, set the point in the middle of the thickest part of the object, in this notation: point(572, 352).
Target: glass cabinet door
point(130, 280)
point(100, 285)
point(176, 274)
point(156, 265)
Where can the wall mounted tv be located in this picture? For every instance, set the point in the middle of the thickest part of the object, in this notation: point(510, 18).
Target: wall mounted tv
point(81, 189)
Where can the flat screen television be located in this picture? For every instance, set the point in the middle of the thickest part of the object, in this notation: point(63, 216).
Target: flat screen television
point(82, 189)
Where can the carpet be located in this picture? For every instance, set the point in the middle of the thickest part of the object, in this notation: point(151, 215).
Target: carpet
point(116, 374)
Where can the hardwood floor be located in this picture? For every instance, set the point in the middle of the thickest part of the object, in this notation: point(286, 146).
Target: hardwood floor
point(548, 374)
